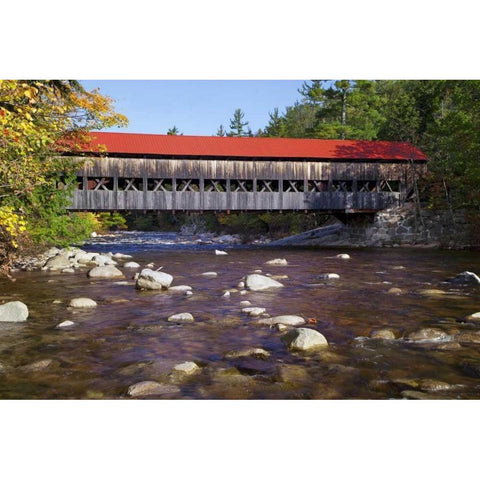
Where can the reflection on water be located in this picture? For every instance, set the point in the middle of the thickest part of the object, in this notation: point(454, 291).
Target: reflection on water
point(127, 338)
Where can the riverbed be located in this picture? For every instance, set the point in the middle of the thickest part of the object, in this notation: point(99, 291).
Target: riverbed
point(127, 339)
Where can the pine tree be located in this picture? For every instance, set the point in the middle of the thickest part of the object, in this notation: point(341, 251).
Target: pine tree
point(221, 132)
point(174, 131)
point(237, 125)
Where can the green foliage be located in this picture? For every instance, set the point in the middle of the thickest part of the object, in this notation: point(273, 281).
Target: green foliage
point(174, 131)
point(247, 225)
point(221, 132)
point(238, 126)
point(111, 221)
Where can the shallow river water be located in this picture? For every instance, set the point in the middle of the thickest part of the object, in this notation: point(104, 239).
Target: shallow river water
point(127, 338)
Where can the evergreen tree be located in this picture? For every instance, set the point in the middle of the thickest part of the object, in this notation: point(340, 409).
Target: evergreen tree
point(276, 125)
point(221, 132)
point(238, 126)
point(174, 131)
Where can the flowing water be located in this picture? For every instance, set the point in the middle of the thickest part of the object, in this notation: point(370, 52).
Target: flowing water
point(127, 338)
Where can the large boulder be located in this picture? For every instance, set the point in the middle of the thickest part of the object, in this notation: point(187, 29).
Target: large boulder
point(152, 280)
point(102, 260)
point(13, 312)
point(304, 339)
point(106, 271)
point(257, 282)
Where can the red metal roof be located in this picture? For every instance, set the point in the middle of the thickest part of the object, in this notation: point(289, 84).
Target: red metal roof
point(257, 147)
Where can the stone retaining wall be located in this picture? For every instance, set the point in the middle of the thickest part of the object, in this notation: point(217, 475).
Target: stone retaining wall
point(399, 226)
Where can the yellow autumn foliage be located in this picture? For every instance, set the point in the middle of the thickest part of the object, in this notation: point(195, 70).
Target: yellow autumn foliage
point(12, 225)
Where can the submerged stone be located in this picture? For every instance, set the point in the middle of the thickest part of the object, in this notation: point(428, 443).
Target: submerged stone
point(147, 388)
point(383, 334)
point(428, 334)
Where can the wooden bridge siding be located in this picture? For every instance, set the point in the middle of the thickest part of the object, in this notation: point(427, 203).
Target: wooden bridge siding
point(255, 170)
point(266, 170)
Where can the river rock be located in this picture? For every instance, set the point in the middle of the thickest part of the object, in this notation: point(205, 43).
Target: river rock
point(277, 261)
point(59, 262)
point(241, 285)
point(121, 256)
point(395, 291)
point(150, 280)
point(256, 282)
point(220, 252)
point(428, 335)
point(39, 365)
point(180, 288)
point(131, 265)
point(185, 369)
point(431, 385)
point(292, 320)
point(85, 257)
point(383, 334)
point(65, 324)
point(183, 317)
point(432, 292)
point(82, 302)
point(253, 311)
point(474, 317)
point(106, 271)
point(304, 339)
point(329, 276)
point(147, 388)
point(102, 260)
point(249, 352)
point(13, 312)
point(226, 293)
point(68, 270)
point(245, 303)
point(466, 278)
point(51, 252)
point(343, 256)
point(209, 274)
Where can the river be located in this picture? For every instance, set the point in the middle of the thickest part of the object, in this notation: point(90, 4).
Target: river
point(127, 339)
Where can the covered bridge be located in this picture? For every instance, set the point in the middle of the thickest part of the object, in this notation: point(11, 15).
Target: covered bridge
point(127, 171)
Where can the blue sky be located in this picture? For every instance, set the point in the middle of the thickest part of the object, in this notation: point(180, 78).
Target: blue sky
point(195, 107)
